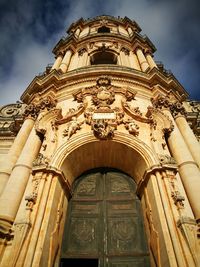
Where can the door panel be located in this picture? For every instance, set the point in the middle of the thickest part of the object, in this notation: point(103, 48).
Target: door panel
point(104, 221)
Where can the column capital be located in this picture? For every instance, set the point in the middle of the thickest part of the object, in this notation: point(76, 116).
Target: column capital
point(55, 173)
point(177, 109)
point(161, 102)
point(82, 51)
point(60, 53)
point(31, 111)
point(126, 51)
point(167, 165)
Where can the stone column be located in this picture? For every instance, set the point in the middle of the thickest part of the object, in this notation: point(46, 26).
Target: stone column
point(66, 60)
point(130, 31)
point(134, 61)
point(188, 169)
point(15, 187)
point(151, 61)
point(15, 150)
point(57, 62)
point(142, 60)
point(189, 137)
point(77, 32)
point(82, 58)
point(124, 54)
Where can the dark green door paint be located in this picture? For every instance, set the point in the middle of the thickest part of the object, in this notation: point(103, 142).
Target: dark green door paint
point(104, 221)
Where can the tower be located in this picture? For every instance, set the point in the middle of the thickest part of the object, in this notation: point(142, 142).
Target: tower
point(100, 166)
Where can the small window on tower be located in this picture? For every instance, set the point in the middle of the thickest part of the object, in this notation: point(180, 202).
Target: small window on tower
point(103, 29)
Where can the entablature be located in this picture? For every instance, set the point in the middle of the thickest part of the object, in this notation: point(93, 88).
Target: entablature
point(54, 80)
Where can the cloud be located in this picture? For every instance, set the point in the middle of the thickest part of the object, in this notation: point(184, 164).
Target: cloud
point(30, 30)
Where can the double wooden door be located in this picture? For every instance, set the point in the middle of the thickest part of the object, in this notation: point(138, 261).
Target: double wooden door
point(104, 225)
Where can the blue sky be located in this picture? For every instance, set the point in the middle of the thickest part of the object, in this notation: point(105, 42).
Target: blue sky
point(30, 29)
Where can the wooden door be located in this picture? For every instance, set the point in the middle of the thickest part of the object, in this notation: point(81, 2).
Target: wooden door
point(104, 225)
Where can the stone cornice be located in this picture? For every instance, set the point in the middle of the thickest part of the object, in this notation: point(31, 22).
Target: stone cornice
point(120, 21)
point(55, 80)
point(136, 40)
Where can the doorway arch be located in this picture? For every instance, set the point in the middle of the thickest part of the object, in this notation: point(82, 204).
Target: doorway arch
point(104, 225)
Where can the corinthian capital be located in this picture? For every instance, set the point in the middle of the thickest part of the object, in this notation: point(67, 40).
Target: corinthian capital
point(161, 102)
point(177, 109)
point(31, 111)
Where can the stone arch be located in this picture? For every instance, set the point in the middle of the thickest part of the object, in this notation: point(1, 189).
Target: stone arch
point(123, 152)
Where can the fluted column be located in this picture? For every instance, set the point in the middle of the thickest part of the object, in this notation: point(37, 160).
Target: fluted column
point(189, 137)
point(15, 187)
point(66, 60)
point(134, 61)
point(142, 60)
point(14, 152)
point(151, 61)
point(57, 62)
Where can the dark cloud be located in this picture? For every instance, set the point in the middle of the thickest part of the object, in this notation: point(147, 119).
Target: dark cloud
point(30, 29)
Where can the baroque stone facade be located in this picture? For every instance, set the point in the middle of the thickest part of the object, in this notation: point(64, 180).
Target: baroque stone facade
point(104, 103)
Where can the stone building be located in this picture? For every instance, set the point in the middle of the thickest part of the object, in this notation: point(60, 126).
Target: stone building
point(100, 159)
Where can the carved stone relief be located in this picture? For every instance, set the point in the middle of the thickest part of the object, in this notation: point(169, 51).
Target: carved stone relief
point(72, 127)
point(132, 127)
point(41, 160)
point(166, 159)
point(102, 129)
point(12, 110)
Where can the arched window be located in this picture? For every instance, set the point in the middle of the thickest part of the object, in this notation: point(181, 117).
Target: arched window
point(103, 29)
point(103, 57)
